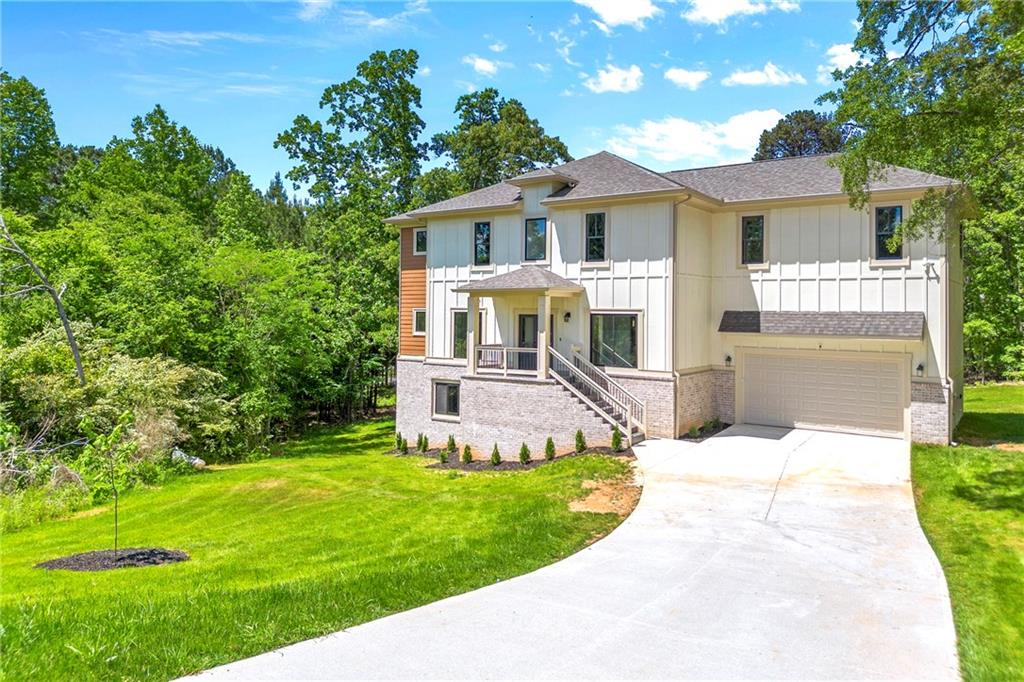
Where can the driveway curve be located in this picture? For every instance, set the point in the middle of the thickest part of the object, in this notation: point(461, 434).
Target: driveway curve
point(759, 553)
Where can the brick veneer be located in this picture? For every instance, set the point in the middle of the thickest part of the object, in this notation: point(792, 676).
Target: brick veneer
point(929, 412)
point(694, 400)
point(494, 410)
point(658, 396)
point(723, 391)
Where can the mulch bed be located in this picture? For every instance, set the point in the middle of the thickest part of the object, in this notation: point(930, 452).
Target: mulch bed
point(455, 462)
point(704, 434)
point(107, 559)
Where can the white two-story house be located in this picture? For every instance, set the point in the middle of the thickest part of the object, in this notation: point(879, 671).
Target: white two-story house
point(601, 293)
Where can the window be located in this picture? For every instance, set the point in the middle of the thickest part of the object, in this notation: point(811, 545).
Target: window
point(595, 238)
point(752, 240)
point(446, 399)
point(419, 242)
point(887, 220)
point(536, 239)
point(482, 243)
point(460, 319)
point(419, 322)
point(613, 339)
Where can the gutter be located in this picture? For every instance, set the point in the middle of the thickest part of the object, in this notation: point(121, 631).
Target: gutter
point(672, 316)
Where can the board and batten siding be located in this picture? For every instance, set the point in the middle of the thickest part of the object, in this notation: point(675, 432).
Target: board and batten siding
point(637, 277)
point(818, 260)
point(412, 294)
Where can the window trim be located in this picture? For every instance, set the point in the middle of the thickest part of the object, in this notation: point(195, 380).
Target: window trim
point(489, 267)
point(640, 336)
point(481, 321)
point(425, 322)
point(765, 263)
point(547, 241)
point(444, 416)
point(873, 260)
point(415, 231)
point(604, 263)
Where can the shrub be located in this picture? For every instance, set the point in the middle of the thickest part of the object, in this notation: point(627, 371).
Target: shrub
point(495, 456)
point(616, 439)
point(549, 449)
point(716, 423)
point(426, 444)
point(404, 448)
point(581, 442)
point(467, 454)
point(452, 448)
point(708, 426)
point(524, 454)
point(694, 431)
point(442, 456)
point(398, 440)
point(419, 442)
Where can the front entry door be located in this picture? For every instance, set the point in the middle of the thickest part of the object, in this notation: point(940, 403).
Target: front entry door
point(526, 338)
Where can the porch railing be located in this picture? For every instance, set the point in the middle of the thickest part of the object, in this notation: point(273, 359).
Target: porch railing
point(636, 407)
point(612, 408)
point(505, 359)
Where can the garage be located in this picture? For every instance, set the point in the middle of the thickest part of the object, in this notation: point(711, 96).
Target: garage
point(855, 392)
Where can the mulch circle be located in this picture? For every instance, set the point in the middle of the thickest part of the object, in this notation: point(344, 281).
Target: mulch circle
point(107, 559)
point(455, 462)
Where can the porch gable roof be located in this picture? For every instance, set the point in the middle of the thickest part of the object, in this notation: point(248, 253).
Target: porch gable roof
point(524, 279)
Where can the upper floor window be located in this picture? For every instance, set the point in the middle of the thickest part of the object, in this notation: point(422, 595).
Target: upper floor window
point(536, 247)
point(482, 243)
point(595, 237)
point(419, 242)
point(752, 240)
point(887, 220)
point(460, 331)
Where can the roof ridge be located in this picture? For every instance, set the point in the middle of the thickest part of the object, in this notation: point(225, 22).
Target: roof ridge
point(643, 168)
point(751, 163)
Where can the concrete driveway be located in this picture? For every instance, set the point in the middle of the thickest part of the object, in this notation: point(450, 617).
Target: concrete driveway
point(760, 553)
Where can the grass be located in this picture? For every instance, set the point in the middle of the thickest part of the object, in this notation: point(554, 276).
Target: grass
point(329, 536)
point(971, 506)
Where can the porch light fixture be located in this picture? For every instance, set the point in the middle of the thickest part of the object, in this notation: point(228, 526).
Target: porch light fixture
point(566, 317)
point(728, 360)
point(920, 369)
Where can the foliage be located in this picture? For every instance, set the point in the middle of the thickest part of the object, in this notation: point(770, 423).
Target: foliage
point(28, 145)
point(616, 438)
point(396, 557)
point(524, 454)
point(581, 442)
point(694, 431)
point(495, 456)
point(494, 139)
point(451, 447)
point(426, 444)
point(467, 454)
point(442, 455)
point(404, 449)
point(398, 440)
point(549, 449)
point(801, 133)
point(940, 88)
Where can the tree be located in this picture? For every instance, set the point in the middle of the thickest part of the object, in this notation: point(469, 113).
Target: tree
point(800, 133)
point(940, 88)
point(28, 145)
point(496, 139)
point(368, 148)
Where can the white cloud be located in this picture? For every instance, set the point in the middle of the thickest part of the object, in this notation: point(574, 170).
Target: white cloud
point(199, 38)
point(622, 12)
point(543, 68)
point(574, 20)
point(563, 46)
point(467, 86)
point(840, 56)
point(684, 78)
point(311, 10)
point(719, 11)
point(694, 143)
point(602, 27)
point(497, 46)
point(769, 75)
point(614, 79)
point(423, 71)
point(484, 66)
point(360, 18)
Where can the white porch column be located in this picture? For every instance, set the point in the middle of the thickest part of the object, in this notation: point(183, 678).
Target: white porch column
point(543, 310)
point(471, 317)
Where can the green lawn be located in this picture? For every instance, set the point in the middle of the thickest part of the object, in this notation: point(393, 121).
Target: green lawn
point(333, 534)
point(971, 506)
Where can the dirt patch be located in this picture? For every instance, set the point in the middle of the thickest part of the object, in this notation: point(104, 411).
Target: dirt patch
point(985, 443)
point(107, 559)
point(616, 496)
point(456, 463)
point(1010, 447)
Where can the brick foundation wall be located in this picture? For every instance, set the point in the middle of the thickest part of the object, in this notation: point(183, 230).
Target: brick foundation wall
point(658, 395)
point(694, 399)
point(929, 412)
point(723, 391)
point(494, 410)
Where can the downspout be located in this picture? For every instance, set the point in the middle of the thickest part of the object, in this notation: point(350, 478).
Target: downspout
point(672, 320)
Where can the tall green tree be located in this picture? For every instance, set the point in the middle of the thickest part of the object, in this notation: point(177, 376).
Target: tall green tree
point(496, 139)
point(28, 145)
point(941, 88)
point(801, 133)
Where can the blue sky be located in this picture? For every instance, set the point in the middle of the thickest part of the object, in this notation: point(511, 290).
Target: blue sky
point(667, 84)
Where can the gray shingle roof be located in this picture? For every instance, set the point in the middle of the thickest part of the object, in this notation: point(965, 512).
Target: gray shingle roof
point(528, 277)
point(501, 195)
point(801, 176)
point(888, 325)
point(604, 175)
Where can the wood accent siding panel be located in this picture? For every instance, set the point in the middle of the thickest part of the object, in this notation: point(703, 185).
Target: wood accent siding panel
point(412, 294)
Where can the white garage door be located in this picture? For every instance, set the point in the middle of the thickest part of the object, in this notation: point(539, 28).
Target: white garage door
point(824, 391)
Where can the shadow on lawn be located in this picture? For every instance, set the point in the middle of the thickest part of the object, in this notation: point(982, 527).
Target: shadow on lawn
point(351, 439)
point(992, 427)
point(1002, 489)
